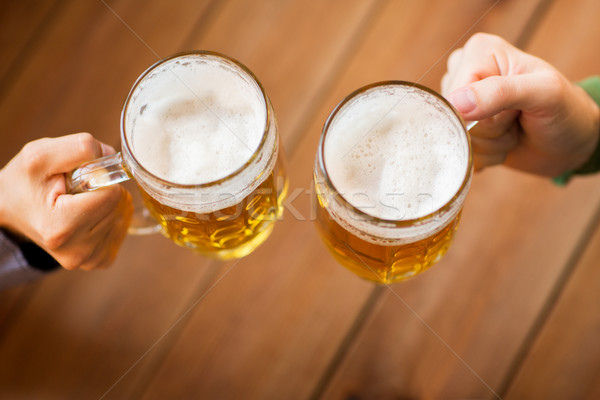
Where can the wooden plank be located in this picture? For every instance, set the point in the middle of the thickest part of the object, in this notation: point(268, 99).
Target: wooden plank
point(21, 23)
point(297, 51)
point(271, 62)
point(274, 64)
point(283, 311)
point(563, 360)
point(82, 72)
point(455, 331)
point(77, 80)
point(163, 294)
point(12, 302)
point(556, 35)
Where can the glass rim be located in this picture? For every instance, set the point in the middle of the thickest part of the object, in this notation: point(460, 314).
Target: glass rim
point(197, 53)
point(371, 218)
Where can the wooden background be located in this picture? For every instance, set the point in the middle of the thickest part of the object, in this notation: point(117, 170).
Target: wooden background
point(512, 311)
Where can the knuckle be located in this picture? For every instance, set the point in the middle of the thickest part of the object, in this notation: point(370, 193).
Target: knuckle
point(485, 42)
point(70, 260)
point(454, 58)
point(54, 238)
point(76, 260)
point(480, 38)
point(88, 146)
point(69, 265)
point(33, 154)
point(501, 89)
point(445, 84)
point(555, 84)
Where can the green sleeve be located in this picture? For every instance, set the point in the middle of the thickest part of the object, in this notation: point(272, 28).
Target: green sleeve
point(592, 87)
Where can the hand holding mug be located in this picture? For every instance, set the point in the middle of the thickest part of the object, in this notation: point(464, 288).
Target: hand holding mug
point(83, 231)
point(530, 116)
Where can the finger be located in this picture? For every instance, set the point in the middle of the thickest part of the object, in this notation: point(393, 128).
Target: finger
point(481, 161)
point(502, 144)
point(445, 83)
point(496, 126)
point(83, 211)
point(490, 96)
point(455, 58)
point(485, 55)
point(117, 237)
point(453, 64)
point(107, 149)
point(109, 237)
point(98, 258)
point(65, 153)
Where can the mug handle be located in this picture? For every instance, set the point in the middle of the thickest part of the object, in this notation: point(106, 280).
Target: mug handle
point(106, 171)
point(97, 174)
point(470, 125)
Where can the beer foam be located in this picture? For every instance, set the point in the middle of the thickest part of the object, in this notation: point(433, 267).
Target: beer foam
point(396, 153)
point(195, 120)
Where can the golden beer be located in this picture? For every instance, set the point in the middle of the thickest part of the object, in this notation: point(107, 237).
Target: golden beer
point(201, 140)
point(379, 263)
point(392, 171)
point(231, 232)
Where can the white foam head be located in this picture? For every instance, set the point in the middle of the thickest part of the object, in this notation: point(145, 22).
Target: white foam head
point(199, 120)
point(196, 119)
point(396, 152)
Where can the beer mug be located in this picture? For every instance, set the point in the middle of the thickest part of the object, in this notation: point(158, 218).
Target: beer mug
point(392, 171)
point(199, 137)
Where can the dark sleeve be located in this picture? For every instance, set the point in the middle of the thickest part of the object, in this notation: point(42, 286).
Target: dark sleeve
point(592, 87)
point(21, 261)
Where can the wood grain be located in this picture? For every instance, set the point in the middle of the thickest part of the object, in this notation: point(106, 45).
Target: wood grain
point(454, 332)
point(256, 322)
point(563, 361)
point(81, 328)
point(22, 22)
point(135, 259)
point(287, 321)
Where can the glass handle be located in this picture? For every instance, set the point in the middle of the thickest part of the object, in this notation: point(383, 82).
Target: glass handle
point(108, 171)
point(97, 174)
point(469, 125)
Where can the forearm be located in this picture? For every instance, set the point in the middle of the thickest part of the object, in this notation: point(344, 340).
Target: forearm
point(592, 87)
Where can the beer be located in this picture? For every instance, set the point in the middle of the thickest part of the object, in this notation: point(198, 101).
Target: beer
point(391, 174)
point(231, 232)
point(201, 140)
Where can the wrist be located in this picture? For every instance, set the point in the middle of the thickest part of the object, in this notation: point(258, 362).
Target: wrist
point(35, 256)
point(5, 224)
point(2, 200)
point(589, 160)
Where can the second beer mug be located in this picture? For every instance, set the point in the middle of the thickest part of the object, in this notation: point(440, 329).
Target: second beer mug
point(200, 139)
point(392, 171)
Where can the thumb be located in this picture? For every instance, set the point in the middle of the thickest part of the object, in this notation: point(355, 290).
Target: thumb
point(490, 96)
point(65, 153)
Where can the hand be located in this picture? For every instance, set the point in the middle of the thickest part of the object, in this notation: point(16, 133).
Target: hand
point(530, 116)
point(80, 231)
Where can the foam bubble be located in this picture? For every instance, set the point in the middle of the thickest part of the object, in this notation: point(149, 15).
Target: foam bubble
point(197, 120)
point(396, 153)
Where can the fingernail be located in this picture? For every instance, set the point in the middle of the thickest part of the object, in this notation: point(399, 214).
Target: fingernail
point(463, 99)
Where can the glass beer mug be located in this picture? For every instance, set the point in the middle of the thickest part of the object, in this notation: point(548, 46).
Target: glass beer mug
point(199, 137)
point(392, 171)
